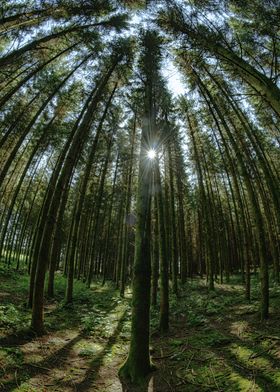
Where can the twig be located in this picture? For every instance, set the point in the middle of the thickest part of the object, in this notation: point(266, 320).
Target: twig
point(273, 337)
point(188, 364)
point(38, 366)
point(168, 383)
point(16, 378)
point(193, 382)
point(215, 381)
point(164, 356)
point(171, 354)
point(256, 355)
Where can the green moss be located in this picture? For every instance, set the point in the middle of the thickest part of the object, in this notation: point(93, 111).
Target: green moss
point(242, 384)
point(26, 387)
point(276, 378)
point(250, 357)
point(10, 356)
point(177, 342)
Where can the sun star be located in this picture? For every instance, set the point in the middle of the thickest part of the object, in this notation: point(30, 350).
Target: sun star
point(151, 154)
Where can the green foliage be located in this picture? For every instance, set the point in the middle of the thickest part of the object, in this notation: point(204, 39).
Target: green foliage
point(87, 352)
point(13, 316)
point(15, 355)
point(177, 342)
point(26, 387)
point(97, 319)
point(195, 319)
point(10, 317)
point(205, 350)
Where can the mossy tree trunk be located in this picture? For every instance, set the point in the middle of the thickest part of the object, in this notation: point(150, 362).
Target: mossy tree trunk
point(138, 363)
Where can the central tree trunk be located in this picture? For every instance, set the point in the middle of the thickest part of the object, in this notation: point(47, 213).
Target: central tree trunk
point(138, 363)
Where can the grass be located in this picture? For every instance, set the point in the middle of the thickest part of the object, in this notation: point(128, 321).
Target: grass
point(216, 341)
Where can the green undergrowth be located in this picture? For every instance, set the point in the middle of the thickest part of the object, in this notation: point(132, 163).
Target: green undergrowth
point(87, 310)
point(92, 331)
point(216, 341)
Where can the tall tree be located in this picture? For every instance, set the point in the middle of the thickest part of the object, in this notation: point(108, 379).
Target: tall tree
point(138, 363)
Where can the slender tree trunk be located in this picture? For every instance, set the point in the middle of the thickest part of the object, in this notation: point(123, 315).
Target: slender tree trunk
point(164, 279)
point(124, 257)
point(174, 242)
point(155, 257)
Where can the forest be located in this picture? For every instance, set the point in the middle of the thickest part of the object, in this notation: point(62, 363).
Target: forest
point(140, 195)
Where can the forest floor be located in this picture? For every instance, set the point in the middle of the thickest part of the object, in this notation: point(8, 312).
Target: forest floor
point(216, 341)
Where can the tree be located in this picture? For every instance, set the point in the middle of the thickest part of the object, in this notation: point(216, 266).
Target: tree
point(138, 363)
point(201, 36)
